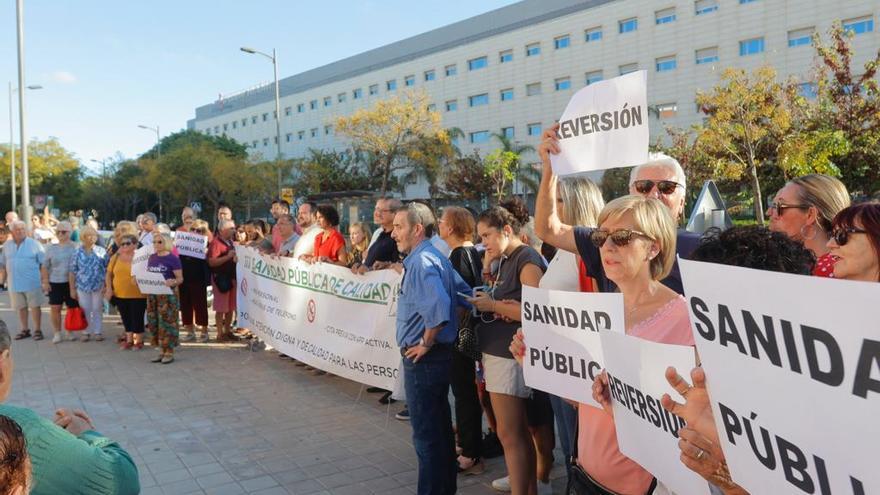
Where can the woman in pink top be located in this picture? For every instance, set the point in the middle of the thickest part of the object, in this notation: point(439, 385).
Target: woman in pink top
point(636, 238)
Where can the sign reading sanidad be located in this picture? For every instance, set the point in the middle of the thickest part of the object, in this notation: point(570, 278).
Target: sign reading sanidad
point(793, 370)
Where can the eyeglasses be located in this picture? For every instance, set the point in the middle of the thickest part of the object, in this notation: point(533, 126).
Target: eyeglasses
point(665, 187)
point(126, 243)
point(620, 237)
point(62, 231)
point(780, 208)
point(382, 210)
point(841, 236)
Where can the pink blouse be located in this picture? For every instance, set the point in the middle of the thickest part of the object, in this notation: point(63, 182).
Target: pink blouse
point(598, 452)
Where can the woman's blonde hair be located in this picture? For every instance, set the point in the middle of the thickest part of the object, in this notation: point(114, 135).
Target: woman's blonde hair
point(199, 224)
point(581, 201)
point(652, 218)
point(88, 230)
point(366, 232)
point(827, 194)
point(124, 227)
point(167, 242)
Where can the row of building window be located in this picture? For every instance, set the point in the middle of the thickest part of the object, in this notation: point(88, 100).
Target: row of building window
point(796, 38)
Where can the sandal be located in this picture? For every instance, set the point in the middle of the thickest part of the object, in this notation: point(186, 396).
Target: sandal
point(87, 337)
point(23, 334)
point(38, 335)
point(99, 338)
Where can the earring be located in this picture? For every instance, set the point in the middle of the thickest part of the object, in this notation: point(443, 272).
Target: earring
point(812, 229)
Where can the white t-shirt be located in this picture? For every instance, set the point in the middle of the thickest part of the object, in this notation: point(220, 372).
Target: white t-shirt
point(306, 242)
point(562, 273)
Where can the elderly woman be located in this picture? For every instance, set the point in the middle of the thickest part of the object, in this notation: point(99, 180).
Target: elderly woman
point(221, 258)
point(123, 228)
point(88, 272)
point(855, 243)
point(163, 309)
point(500, 228)
point(121, 287)
point(636, 238)
point(194, 290)
point(803, 210)
point(359, 239)
point(329, 243)
point(56, 270)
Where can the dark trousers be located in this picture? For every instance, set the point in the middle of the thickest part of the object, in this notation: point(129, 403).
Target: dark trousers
point(468, 411)
point(427, 396)
point(194, 299)
point(132, 313)
point(566, 422)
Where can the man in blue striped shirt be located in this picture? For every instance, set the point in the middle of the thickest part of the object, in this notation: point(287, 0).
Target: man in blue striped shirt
point(427, 325)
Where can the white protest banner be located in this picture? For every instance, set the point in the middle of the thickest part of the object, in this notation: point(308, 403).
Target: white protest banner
point(190, 244)
point(152, 283)
point(141, 256)
point(561, 331)
point(605, 125)
point(647, 433)
point(793, 372)
point(323, 315)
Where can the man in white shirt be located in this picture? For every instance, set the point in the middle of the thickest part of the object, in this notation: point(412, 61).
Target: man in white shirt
point(306, 220)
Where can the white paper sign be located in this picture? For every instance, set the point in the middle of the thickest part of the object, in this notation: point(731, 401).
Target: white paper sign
point(190, 244)
point(139, 261)
point(647, 433)
point(152, 283)
point(561, 331)
point(323, 315)
point(605, 125)
point(794, 360)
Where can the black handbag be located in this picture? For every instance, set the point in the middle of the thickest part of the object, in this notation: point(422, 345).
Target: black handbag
point(467, 342)
point(223, 281)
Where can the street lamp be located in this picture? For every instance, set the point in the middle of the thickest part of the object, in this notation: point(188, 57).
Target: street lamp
point(158, 154)
point(274, 59)
point(12, 141)
point(25, 182)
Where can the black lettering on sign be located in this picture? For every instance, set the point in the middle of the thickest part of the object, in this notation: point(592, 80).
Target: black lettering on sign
point(624, 118)
point(566, 317)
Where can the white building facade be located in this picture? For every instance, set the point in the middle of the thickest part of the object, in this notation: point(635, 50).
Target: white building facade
point(511, 71)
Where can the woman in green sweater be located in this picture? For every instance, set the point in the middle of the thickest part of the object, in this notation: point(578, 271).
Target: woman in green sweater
point(67, 456)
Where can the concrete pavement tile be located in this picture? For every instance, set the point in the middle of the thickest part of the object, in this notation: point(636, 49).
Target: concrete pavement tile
point(258, 483)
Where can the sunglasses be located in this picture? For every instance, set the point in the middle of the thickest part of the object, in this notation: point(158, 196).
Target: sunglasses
point(125, 243)
point(620, 237)
point(780, 208)
point(62, 231)
point(665, 187)
point(841, 236)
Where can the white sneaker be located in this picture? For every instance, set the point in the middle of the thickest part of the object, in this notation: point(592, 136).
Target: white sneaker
point(544, 488)
point(502, 484)
point(57, 338)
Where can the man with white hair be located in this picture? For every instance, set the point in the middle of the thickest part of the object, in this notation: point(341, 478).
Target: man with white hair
point(661, 177)
point(11, 216)
point(22, 259)
point(147, 223)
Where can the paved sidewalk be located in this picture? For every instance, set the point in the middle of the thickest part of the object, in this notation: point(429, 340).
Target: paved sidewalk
point(223, 420)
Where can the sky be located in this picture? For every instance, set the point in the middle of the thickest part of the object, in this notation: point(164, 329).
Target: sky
point(108, 66)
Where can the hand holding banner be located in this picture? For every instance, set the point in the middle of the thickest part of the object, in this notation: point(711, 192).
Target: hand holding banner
point(605, 125)
point(564, 352)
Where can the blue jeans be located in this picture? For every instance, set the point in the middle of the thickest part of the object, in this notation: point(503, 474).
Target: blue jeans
point(566, 422)
point(427, 396)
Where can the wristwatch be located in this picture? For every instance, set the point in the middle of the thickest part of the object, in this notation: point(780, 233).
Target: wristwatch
point(425, 344)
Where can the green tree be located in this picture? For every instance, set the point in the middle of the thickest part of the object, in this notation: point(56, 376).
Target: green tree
point(499, 167)
point(526, 174)
point(329, 171)
point(748, 116)
point(388, 129)
point(430, 156)
point(466, 178)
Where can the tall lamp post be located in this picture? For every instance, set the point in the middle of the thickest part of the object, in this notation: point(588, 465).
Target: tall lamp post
point(158, 154)
point(274, 59)
point(12, 142)
point(22, 115)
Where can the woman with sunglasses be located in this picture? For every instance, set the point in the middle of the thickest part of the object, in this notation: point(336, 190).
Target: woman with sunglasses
point(855, 243)
point(163, 309)
point(121, 288)
point(56, 269)
point(499, 229)
point(636, 239)
point(803, 210)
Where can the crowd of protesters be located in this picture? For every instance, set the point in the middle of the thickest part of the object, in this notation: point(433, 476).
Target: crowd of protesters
point(458, 314)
